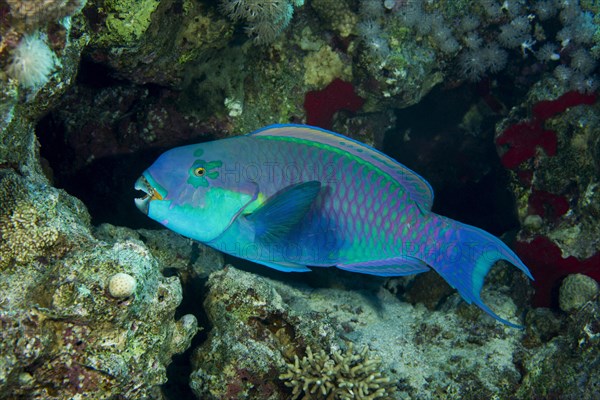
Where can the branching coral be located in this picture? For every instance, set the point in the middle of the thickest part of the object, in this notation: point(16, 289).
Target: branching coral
point(337, 375)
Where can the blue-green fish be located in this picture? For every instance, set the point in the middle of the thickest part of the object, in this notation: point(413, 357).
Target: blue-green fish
point(293, 196)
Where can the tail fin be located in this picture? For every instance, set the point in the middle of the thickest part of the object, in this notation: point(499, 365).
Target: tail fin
point(468, 255)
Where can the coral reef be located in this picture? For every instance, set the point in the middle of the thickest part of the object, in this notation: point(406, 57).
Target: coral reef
point(252, 331)
point(267, 332)
point(90, 90)
point(323, 66)
point(127, 22)
point(574, 348)
point(35, 13)
point(556, 193)
point(410, 46)
point(337, 15)
point(29, 231)
point(525, 137)
point(260, 325)
point(153, 41)
point(40, 50)
point(58, 303)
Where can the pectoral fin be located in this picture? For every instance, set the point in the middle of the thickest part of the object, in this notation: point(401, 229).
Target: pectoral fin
point(274, 220)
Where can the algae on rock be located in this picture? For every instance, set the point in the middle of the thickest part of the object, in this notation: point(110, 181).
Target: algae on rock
point(253, 331)
point(260, 326)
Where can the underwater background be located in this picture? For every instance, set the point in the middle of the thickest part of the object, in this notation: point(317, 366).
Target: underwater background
point(494, 103)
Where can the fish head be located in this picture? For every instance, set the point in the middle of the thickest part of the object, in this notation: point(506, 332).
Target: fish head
point(189, 190)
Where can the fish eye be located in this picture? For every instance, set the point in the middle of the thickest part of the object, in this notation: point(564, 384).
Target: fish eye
point(200, 171)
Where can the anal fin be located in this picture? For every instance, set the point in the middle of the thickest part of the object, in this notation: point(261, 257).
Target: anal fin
point(395, 266)
point(284, 266)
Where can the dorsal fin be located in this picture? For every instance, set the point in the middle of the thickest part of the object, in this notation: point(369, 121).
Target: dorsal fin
point(419, 189)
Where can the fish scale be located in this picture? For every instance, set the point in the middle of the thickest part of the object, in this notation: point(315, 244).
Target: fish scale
point(355, 226)
point(292, 196)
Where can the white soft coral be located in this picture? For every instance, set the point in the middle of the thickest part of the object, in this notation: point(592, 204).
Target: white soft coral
point(32, 62)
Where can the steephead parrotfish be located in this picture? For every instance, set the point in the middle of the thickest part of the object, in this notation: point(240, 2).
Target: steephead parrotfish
point(293, 196)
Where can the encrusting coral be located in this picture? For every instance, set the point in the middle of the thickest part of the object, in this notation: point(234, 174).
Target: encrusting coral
point(337, 375)
point(25, 232)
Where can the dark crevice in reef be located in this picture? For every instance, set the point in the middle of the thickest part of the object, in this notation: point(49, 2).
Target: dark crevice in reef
point(96, 75)
point(78, 137)
point(104, 185)
point(462, 166)
point(178, 372)
point(104, 134)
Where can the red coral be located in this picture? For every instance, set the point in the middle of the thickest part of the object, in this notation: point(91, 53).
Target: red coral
point(542, 255)
point(547, 204)
point(523, 138)
point(545, 261)
point(547, 109)
point(321, 105)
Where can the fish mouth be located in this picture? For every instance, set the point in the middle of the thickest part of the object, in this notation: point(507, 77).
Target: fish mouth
point(150, 193)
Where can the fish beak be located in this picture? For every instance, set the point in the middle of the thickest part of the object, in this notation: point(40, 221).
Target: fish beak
point(143, 203)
